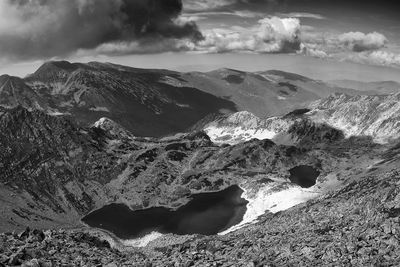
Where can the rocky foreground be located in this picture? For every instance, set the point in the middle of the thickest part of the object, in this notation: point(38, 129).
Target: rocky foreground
point(357, 225)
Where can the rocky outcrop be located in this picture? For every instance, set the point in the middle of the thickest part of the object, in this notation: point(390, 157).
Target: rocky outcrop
point(35, 248)
point(113, 128)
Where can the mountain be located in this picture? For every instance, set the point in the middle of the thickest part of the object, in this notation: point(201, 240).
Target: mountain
point(264, 94)
point(320, 181)
point(158, 102)
point(54, 171)
point(57, 172)
point(374, 116)
point(14, 92)
point(137, 99)
point(382, 87)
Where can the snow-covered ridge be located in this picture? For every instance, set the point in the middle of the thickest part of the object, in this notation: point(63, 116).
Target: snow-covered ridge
point(244, 126)
point(374, 116)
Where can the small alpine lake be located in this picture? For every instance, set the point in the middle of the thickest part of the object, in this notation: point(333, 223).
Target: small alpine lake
point(205, 213)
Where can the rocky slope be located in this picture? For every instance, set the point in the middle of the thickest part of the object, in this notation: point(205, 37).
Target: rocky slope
point(375, 116)
point(357, 225)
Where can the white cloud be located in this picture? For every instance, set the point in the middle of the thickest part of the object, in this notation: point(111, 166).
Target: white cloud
point(303, 15)
point(271, 35)
point(384, 58)
point(241, 14)
point(202, 5)
point(359, 42)
point(312, 51)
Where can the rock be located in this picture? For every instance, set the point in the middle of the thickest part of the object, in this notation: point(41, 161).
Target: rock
point(387, 228)
point(24, 234)
point(39, 235)
point(31, 263)
point(16, 258)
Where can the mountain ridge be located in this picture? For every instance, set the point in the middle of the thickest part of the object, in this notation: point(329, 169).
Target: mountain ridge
point(172, 101)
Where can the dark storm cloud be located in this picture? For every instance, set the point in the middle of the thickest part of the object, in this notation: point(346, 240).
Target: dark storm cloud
point(47, 28)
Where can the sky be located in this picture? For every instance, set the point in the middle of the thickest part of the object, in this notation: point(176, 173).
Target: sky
point(325, 39)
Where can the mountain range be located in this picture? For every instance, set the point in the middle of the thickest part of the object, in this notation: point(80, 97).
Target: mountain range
point(158, 102)
point(75, 137)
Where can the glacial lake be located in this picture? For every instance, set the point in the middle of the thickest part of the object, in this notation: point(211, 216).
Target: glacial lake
point(205, 213)
point(304, 176)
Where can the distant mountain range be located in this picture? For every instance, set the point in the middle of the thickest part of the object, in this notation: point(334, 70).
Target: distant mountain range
point(158, 102)
point(382, 87)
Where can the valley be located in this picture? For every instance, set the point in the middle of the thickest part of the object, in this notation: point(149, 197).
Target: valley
point(160, 166)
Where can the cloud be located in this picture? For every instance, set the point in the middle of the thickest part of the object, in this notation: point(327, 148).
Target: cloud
point(384, 58)
point(201, 5)
point(359, 42)
point(219, 5)
point(271, 35)
point(311, 51)
point(48, 28)
point(303, 15)
point(205, 5)
point(204, 14)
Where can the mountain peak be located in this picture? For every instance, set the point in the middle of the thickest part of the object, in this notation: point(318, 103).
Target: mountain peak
point(52, 70)
point(112, 127)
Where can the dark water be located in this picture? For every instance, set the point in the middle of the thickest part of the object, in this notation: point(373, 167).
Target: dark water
point(304, 176)
point(206, 213)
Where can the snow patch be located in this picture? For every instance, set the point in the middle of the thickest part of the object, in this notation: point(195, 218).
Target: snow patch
point(143, 241)
point(101, 122)
point(183, 105)
point(273, 197)
point(234, 135)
